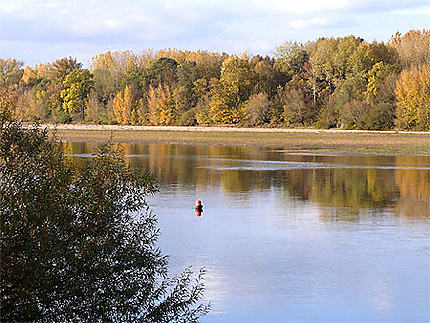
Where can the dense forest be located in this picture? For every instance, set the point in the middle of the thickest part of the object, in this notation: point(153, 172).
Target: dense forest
point(328, 83)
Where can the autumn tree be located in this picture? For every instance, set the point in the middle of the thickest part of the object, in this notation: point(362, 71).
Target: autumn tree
point(258, 110)
point(299, 108)
point(413, 47)
point(161, 106)
point(163, 71)
point(8, 100)
point(198, 87)
point(10, 72)
point(331, 58)
point(413, 99)
point(62, 67)
point(232, 90)
point(291, 57)
point(380, 97)
point(77, 86)
point(124, 107)
point(268, 77)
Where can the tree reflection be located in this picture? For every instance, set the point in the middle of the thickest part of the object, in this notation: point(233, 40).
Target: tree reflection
point(414, 187)
point(346, 193)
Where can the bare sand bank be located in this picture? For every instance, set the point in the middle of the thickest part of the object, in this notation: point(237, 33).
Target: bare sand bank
point(292, 140)
point(217, 129)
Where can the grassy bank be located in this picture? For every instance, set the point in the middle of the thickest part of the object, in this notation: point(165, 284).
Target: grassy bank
point(312, 140)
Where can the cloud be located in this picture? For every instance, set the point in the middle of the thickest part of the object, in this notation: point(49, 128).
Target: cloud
point(303, 23)
point(219, 25)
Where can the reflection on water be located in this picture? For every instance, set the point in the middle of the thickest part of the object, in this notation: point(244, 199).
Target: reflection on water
point(349, 183)
point(290, 237)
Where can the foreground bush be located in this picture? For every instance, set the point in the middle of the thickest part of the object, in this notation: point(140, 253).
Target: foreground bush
point(79, 243)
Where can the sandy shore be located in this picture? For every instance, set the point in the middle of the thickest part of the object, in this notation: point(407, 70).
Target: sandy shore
point(315, 140)
point(212, 129)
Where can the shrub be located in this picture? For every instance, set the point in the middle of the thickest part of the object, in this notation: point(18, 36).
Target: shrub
point(78, 243)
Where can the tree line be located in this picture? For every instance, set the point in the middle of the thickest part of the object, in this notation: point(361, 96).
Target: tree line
point(327, 83)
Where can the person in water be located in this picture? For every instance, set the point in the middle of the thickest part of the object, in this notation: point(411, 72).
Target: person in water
point(199, 208)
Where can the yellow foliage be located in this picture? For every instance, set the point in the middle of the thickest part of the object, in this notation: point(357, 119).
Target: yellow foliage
point(161, 106)
point(124, 107)
point(28, 74)
point(413, 98)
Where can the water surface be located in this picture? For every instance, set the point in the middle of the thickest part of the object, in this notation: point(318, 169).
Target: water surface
point(288, 236)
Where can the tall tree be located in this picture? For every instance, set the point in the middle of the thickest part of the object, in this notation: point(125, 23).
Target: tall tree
point(10, 72)
point(299, 108)
point(62, 67)
point(291, 57)
point(268, 76)
point(258, 110)
point(232, 90)
point(161, 106)
point(413, 47)
point(413, 98)
point(163, 71)
point(125, 107)
point(77, 86)
point(368, 55)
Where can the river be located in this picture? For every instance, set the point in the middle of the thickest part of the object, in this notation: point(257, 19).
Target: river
point(289, 236)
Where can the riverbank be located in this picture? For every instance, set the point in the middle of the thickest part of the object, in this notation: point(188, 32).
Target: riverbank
point(302, 140)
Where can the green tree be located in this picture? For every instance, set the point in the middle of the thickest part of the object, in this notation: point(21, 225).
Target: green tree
point(291, 57)
point(107, 75)
point(353, 114)
point(331, 58)
point(96, 111)
point(163, 71)
point(184, 101)
point(55, 74)
point(187, 74)
point(349, 90)
point(78, 243)
point(367, 55)
point(268, 76)
point(208, 65)
point(379, 95)
point(201, 93)
point(237, 80)
point(376, 80)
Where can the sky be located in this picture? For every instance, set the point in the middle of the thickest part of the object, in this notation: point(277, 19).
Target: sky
point(41, 31)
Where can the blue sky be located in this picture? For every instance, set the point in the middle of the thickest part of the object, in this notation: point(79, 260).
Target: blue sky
point(40, 31)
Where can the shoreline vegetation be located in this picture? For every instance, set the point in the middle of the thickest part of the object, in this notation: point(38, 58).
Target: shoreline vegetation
point(328, 83)
point(79, 242)
point(291, 140)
